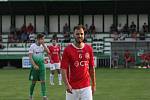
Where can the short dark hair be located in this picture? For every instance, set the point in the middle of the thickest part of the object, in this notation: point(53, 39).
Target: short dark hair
point(78, 27)
point(39, 36)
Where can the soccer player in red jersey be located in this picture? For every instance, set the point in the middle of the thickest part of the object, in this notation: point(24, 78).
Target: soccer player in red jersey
point(146, 60)
point(77, 67)
point(128, 58)
point(55, 57)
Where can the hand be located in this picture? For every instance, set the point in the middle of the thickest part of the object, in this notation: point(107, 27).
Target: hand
point(69, 88)
point(36, 67)
point(51, 61)
point(42, 42)
point(93, 88)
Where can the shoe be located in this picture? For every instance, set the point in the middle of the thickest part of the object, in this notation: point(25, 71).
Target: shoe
point(45, 98)
point(30, 98)
point(51, 83)
point(60, 83)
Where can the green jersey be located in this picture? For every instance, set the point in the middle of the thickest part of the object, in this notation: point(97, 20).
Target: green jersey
point(37, 55)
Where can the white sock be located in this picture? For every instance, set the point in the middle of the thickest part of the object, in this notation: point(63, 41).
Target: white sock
point(59, 77)
point(51, 78)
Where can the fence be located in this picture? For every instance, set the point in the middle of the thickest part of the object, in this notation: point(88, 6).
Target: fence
point(134, 47)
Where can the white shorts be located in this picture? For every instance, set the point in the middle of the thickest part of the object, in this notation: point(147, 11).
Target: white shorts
point(80, 94)
point(54, 66)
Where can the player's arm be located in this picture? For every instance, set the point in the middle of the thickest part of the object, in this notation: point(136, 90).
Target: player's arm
point(64, 68)
point(50, 54)
point(92, 71)
point(65, 79)
point(93, 78)
point(32, 62)
point(50, 58)
point(45, 48)
point(59, 54)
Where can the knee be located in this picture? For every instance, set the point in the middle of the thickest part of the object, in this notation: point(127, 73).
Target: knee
point(58, 70)
point(33, 82)
point(52, 72)
point(42, 81)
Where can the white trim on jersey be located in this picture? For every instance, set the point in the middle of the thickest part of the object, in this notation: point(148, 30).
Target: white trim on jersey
point(77, 47)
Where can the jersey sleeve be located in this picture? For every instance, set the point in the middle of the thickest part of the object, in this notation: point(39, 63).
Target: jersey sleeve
point(91, 62)
point(31, 49)
point(65, 60)
point(59, 48)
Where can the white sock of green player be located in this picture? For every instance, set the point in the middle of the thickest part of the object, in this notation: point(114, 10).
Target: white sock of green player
point(52, 79)
point(59, 79)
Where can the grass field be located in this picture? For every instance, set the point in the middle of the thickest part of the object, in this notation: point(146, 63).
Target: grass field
point(112, 84)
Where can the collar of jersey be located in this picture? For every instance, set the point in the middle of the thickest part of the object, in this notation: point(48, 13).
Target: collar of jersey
point(54, 45)
point(37, 44)
point(77, 47)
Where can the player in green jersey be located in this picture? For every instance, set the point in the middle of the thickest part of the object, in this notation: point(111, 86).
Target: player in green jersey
point(37, 73)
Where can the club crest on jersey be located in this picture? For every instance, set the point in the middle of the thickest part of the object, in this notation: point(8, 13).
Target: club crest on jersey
point(87, 56)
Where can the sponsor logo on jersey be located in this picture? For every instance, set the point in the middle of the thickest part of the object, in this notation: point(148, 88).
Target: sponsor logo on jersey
point(38, 52)
point(80, 63)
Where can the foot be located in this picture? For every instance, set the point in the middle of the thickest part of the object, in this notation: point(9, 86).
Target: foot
point(30, 98)
point(60, 83)
point(45, 98)
point(51, 83)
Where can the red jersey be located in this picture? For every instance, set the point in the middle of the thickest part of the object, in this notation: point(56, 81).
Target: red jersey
point(77, 62)
point(54, 53)
point(142, 56)
point(127, 55)
point(145, 57)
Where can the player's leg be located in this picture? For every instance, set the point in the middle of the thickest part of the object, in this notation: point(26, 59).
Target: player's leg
point(32, 89)
point(74, 96)
point(115, 63)
point(86, 94)
point(34, 74)
point(52, 69)
point(149, 64)
point(43, 90)
point(126, 63)
point(112, 63)
point(149, 61)
point(43, 84)
point(52, 77)
point(59, 77)
point(146, 63)
point(57, 66)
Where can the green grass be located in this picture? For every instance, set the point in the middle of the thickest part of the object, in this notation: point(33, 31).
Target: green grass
point(112, 84)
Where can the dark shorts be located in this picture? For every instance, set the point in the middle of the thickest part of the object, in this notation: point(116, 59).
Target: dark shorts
point(37, 75)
